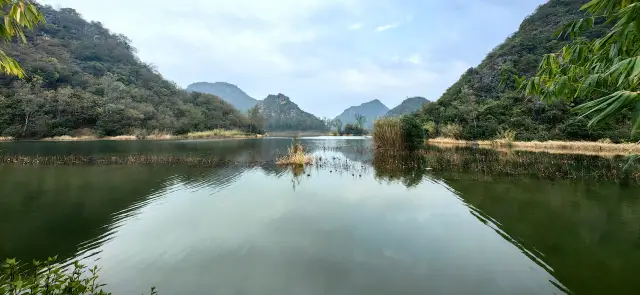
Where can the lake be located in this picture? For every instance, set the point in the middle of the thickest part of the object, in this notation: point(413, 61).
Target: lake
point(355, 223)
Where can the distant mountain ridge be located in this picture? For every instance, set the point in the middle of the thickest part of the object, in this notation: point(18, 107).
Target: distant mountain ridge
point(371, 110)
point(282, 114)
point(407, 106)
point(227, 91)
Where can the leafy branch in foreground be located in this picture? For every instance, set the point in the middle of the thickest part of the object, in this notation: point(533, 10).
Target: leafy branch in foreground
point(16, 15)
point(601, 75)
point(48, 278)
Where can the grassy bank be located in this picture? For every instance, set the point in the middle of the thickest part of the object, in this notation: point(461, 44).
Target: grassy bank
point(573, 147)
point(200, 135)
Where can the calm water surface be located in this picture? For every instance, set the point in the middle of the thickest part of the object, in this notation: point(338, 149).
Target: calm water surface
point(345, 227)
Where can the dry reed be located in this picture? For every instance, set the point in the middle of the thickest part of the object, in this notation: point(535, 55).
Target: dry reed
point(296, 155)
point(568, 146)
point(6, 138)
point(388, 134)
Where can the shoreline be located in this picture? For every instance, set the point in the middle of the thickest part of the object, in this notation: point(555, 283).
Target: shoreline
point(206, 135)
point(566, 147)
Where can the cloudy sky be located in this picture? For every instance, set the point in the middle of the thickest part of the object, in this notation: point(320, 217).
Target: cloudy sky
point(325, 54)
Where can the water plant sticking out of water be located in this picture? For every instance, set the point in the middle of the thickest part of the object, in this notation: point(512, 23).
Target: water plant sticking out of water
point(296, 155)
point(49, 278)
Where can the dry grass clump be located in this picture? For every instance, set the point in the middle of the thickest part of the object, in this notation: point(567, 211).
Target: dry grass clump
point(70, 138)
point(296, 155)
point(388, 134)
point(217, 133)
point(6, 138)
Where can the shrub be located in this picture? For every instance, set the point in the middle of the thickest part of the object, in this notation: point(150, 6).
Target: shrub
point(413, 133)
point(430, 128)
point(352, 129)
point(451, 131)
point(50, 278)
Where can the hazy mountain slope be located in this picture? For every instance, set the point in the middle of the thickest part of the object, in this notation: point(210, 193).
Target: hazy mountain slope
point(407, 106)
point(281, 114)
point(371, 110)
point(228, 92)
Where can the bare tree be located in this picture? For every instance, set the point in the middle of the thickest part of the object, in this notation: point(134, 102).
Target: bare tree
point(361, 120)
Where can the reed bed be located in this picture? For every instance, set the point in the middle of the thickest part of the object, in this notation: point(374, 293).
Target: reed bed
point(569, 146)
point(112, 160)
point(6, 138)
point(521, 163)
point(388, 134)
point(217, 133)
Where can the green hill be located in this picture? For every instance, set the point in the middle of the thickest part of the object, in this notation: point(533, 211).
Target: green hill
point(83, 78)
point(228, 92)
point(481, 106)
point(281, 114)
point(407, 106)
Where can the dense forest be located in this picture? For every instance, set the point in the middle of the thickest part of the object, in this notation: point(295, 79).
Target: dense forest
point(486, 100)
point(82, 79)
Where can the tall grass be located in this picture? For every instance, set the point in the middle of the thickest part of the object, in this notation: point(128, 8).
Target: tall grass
point(388, 134)
point(6, 138)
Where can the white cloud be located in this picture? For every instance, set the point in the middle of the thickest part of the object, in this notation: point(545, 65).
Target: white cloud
point(387, 27)
point(305, 49)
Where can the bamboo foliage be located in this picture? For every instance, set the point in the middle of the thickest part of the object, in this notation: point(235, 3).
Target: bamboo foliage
point(604, 72)
point(17, 15)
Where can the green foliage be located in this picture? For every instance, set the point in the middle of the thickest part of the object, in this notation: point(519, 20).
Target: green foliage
point(354, 130)
point(485, 99)
point(451, 131)
point(80, 76)
point(601, 74)
point(16, 15)
point(400, 134)
point(414, 134)
point(257, 123)
point(49, 278)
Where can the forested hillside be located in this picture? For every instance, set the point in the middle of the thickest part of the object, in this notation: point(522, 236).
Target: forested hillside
point(281, 114)
point(82, 79)
point(485, 100)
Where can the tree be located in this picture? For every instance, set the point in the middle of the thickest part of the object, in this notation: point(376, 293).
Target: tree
point(361, 120)
point(256, 120)
point(601, 75)
point(338, 124)
point(16, 15)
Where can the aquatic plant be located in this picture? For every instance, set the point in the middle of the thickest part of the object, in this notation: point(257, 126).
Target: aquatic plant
point(404, 133)
point(296, 155)
point(49, 278)
point(388, 134)
point(576, 147)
